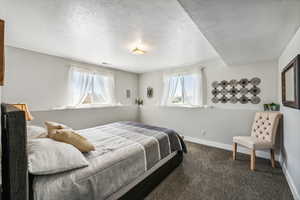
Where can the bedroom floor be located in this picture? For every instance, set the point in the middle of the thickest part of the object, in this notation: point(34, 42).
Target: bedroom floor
point(210, 174)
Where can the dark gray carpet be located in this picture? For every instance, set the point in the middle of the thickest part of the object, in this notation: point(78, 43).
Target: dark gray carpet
point(210, 174)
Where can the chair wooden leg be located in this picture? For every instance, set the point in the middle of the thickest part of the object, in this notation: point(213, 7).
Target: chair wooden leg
point(253, 158)
point(234, 149)
point(272, 158)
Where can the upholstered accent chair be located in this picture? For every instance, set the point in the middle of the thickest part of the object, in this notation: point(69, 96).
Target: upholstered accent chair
point(262, 137)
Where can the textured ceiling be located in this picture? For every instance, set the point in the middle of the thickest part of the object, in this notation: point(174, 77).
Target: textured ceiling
point(97, 31)
point(246, 31)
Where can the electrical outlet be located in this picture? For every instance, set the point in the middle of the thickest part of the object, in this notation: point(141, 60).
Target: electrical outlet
point(203, 133)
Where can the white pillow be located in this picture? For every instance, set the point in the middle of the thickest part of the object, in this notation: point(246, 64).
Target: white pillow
point(46, 156)
point(36, 132)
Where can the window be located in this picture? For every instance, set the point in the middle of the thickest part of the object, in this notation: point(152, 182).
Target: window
point(183, 88)
point(91, 87)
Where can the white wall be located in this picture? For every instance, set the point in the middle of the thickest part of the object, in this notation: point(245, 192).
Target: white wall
point(266, 71)
point(41, 81)
point(87, 118)
point(218, 124)
point(291, 145)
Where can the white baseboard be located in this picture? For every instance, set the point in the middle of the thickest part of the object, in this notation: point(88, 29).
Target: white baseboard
point(261, 154)
point(290, 182)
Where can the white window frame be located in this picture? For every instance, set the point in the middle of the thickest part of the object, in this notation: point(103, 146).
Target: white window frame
point(181, 73)
point(88, 79)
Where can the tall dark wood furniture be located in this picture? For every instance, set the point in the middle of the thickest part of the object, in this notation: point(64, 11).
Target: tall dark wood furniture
point(14, 156)
point(2, 52)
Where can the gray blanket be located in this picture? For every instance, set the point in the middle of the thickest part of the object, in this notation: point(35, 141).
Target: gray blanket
point(124, 151)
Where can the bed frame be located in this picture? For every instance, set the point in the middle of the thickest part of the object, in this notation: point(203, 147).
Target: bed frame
point(17, 182)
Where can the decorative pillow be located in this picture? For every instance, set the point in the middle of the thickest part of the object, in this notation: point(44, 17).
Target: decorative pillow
point(70, 137)
point(46, 156)
point(36, 132)
point(53, 126)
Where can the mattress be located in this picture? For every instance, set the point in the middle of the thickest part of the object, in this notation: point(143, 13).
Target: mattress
point(125, 153)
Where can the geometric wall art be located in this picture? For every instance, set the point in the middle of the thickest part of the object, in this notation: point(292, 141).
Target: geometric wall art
point(234, 91)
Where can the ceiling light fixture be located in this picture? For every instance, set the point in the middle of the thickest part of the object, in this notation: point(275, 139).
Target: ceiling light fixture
point(138, 51)
point(139, 48)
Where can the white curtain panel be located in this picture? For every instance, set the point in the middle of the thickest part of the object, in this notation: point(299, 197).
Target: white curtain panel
point(189, 80)
point(104, 88)
point(174, 84)
point(99, 83)
point(166, 90)
point(99, 92)
point(81, 83)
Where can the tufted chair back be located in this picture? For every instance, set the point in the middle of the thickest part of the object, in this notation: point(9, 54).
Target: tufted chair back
point(265, 126)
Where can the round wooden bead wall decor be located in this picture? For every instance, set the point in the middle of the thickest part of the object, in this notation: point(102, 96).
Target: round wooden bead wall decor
point(236, 91)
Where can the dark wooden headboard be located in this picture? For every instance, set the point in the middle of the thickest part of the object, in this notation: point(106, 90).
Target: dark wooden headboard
point(14, 154)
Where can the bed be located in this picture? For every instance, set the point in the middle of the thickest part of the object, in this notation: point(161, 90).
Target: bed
point(129, 161)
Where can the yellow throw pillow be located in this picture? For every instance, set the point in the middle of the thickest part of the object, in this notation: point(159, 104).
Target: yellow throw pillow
point(70, 137)
point(52, 127)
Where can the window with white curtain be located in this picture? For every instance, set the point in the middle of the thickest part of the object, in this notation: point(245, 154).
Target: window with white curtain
point(183, 88)
point(91, 86)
